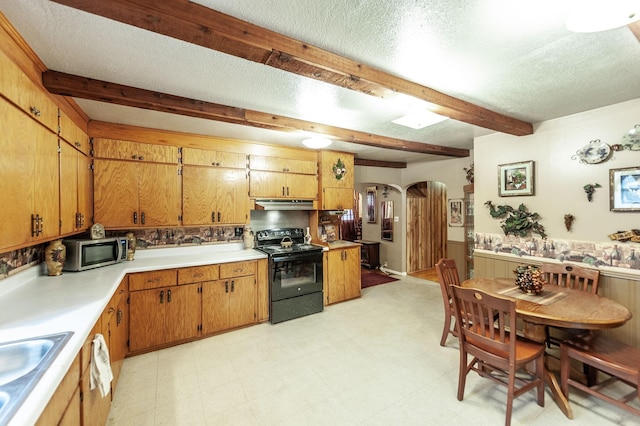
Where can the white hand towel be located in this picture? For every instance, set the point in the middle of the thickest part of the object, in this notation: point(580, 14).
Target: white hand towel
point(101, 374)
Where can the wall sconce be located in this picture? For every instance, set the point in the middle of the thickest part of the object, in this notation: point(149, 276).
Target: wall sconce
point(385, 191)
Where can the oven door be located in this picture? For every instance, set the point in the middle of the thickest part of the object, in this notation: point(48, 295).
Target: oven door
point(295, 274)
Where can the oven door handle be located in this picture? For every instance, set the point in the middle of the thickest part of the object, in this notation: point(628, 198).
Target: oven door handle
point(277, 259)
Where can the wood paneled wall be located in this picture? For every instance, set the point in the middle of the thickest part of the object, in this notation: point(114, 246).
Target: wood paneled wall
point(426, 225)
point(618, 286)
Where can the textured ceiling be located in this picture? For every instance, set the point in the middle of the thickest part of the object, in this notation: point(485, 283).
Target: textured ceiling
point(512, 57)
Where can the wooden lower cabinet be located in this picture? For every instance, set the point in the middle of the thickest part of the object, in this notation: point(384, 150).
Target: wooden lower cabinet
point(342, 274)
point(64, 406)
point(228, 303)
point(163, 315)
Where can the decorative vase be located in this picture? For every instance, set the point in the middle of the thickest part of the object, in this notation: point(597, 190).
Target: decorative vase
point(307, 237)
point(54, 256)
point(248, 237)
point(131, 244)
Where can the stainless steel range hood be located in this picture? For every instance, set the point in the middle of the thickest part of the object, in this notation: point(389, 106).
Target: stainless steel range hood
point(263, 204)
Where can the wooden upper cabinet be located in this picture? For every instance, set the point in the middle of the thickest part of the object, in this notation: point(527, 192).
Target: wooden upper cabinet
point(134, 151)
point(287, 165)
point(29, 164)
point(73, 134)
point(204, 157)
point(336, 178)
point(135, 194)
point(27, 95)
point(76, 192)
point(263, 184)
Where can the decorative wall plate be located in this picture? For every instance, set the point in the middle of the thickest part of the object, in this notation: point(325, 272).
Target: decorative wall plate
point(631, 140)
point(594, 152)
point(97, 231)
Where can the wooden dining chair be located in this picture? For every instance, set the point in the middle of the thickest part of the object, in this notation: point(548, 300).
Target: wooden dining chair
point(448, 276)
point(569, 276)
point(483, 321)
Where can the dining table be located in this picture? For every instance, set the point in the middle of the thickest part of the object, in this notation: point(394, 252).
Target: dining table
point(559, 307)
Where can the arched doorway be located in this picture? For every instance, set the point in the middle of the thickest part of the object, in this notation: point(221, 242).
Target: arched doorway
point(426, 225)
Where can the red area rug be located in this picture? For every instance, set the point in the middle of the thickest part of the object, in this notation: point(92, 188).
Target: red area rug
point(371, 278)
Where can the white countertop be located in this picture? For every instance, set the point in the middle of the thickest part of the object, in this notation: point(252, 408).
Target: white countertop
point(34, 305)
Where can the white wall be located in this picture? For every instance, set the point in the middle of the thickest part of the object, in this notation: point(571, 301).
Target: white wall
point(559, 179)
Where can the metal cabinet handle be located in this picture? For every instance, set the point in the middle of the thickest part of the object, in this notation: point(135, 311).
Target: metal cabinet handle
point(232, 285)
point(35, 111)
point(219, 217)
point(168, 296)
point(135, 218)
point(162, 296)
point(119, 315)
point(283, 193)
point(142, 219)
point(140, 157)
point(110, 310)
point(226, 286)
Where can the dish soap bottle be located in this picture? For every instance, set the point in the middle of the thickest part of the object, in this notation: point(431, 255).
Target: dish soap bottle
point(307, 237)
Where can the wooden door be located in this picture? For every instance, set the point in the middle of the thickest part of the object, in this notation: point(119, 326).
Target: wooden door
point(351, 263)
point(215, 306)
point(85, 191)
point(159, 194)
point(199, 189)
point(17, 163)
point(335, 276)
point(183, 312)
point(68, 187)
point(302, 186)
point(232, 199)
point(47, 186)
point(242, 301)
point(147, 318)
point(115, 193)
point(267, 184)
point(426, 225)
point(337, 198)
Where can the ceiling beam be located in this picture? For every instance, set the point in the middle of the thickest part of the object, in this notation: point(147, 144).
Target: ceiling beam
point(205, 27)
point(378, 163)
point(86, 88)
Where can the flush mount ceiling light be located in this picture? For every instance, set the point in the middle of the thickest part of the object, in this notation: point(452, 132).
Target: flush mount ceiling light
point(597, 15)
point(419, 119)
point(316, 143)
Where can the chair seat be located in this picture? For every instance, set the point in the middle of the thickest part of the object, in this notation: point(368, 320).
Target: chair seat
point(526, 350)
point(610, 356)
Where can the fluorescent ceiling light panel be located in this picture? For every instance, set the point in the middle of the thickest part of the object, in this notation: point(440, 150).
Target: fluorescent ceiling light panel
point(597, 15)
point(419, 119)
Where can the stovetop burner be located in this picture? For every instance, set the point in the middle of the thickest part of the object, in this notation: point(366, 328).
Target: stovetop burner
point(270, 241)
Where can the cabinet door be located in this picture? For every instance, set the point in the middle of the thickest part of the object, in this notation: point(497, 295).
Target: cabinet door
point(199, 189)
point(74, 135)
point(267, 184)
point(147, 316)
point(215, 306)
point(276, 164)
point(158, 186)
point(115, 193)
point(242, 301)
point(337, 198)
point(352, 282)
point(127, 150)
point(302, 186)
point(232, 198)
point(203, 157)
point(47, 183)
point(18, 168)
point(335, 276)
point(68, 188)
point(183, 312)
point(119, 335)
point(329, 160)
point(85, 191)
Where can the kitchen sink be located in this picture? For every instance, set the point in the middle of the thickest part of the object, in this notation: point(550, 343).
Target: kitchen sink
point(22, 364)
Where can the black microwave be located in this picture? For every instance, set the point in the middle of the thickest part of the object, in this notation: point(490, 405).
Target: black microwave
point(83, 254)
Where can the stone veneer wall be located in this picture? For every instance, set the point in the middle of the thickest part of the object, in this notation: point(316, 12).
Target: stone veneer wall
point(612, 253)
point(16, 261)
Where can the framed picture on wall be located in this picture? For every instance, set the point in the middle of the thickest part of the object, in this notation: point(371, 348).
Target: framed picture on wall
point(624, 189)
point(455, 216)
point(371, 204)
point(516, 179)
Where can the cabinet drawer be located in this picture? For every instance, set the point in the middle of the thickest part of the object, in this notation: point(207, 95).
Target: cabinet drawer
point(155, 279)
point(197, 274)
point(237, 269)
